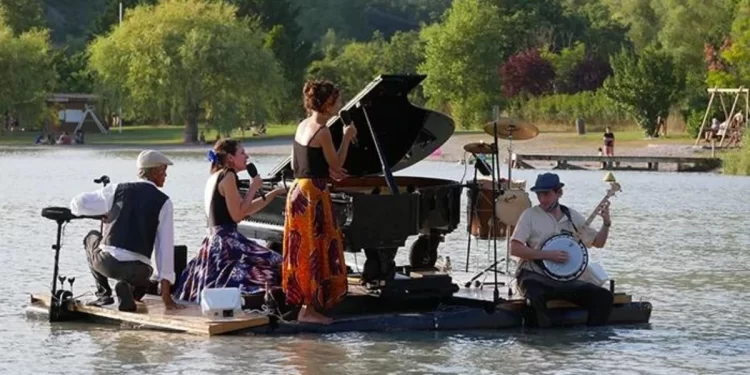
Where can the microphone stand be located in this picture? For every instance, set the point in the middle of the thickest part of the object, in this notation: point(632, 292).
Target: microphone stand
point(473, 194)
point(495, 196)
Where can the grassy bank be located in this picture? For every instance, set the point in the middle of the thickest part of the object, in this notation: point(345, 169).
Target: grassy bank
point(737, 162)
point(148, 135)
point(171, 135)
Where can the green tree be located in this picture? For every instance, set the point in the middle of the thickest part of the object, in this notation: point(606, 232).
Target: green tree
point(189, 56)
point(462, 55)
point(640, 17)
point(72, 73)
point(283, 36)
point(25, 74)
point(354, 65)
point(23, 15)
point(736, 53)
point(645, 85)
point(111, 14)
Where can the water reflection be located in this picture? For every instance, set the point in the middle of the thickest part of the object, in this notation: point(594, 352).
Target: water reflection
point(679, 241)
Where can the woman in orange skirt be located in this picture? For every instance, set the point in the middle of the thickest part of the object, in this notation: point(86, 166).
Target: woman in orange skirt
point(314, 271)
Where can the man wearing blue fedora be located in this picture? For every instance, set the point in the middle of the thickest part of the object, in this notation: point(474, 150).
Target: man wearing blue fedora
point(535, 226)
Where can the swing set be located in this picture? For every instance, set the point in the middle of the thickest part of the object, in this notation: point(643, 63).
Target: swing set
point(734, 119)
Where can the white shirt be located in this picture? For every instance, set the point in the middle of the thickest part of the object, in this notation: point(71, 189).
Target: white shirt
point(100, 202)
point(535, 225)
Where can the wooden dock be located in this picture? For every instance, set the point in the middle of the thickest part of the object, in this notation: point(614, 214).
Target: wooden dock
point(152, 315)
point(648, 163)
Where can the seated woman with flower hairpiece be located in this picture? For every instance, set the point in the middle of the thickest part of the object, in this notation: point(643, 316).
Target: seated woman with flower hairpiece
point(227, 259)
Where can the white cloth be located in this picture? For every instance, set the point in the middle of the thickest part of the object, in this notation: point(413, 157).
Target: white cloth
point(100, 202)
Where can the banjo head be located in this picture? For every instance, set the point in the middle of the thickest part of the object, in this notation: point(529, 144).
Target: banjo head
point(578, 258)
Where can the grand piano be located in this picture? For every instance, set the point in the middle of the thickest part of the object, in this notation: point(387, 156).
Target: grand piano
point(377, 211)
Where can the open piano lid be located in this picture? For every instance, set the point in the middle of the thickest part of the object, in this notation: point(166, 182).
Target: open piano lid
point(407, 133)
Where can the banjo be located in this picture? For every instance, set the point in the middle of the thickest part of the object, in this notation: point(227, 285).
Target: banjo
point(578, 255)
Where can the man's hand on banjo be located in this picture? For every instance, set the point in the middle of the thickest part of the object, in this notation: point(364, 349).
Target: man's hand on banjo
point(558, 256)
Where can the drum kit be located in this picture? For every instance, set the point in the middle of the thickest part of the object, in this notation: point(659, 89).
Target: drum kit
point(496, 205)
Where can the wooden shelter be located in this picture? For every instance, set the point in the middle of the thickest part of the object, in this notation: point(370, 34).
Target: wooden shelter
point(77, 112)
point(728, 115)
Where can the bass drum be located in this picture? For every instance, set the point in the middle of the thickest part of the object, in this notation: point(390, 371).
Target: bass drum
point(578, 258)
point(481, 206)
point(510, 205)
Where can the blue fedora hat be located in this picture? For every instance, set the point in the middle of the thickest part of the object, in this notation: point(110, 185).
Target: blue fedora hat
point(547, 182)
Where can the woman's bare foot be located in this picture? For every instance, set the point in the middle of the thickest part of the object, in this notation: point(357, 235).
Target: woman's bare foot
point(309, 315)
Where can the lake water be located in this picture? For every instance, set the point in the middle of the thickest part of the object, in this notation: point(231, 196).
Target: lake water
point(679, 241)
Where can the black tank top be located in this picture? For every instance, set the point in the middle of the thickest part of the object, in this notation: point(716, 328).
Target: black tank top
point(309, 162)
point(218, 212)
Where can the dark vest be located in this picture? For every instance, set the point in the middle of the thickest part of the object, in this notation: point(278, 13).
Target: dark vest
point(134, 217)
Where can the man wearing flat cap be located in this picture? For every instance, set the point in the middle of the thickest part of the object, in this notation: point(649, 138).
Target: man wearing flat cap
point(138, 224)
point(536, 225)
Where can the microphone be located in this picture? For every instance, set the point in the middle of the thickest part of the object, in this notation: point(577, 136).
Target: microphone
point(346, 118)
point(252, 171)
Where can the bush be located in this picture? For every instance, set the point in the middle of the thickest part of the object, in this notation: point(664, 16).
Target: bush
point(738, 162)
point(563, 109)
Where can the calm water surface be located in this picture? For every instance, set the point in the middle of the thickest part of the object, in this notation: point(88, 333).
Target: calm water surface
point(679, 241)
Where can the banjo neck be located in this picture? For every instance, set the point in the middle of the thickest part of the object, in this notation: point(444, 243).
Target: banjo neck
point(610, 193)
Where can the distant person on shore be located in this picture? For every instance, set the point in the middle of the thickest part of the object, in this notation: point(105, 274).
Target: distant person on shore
point(609, 142)
point(661, 126)
point(138, 224)
point(228, 259)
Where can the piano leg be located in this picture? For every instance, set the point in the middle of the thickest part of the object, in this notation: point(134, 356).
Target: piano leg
point(380, 265)
point(423, 252)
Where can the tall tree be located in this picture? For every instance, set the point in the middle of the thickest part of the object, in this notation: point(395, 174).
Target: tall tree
point(527, 72)
point(646, 85)
point(111, 14)
point(640, 17)
point(23, 15)
point(192, 56)
point(688, 26)
point(25, 74)
point(284, 37)
point(462, 54)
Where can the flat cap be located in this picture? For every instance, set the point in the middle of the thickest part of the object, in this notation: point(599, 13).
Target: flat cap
point(151, 158)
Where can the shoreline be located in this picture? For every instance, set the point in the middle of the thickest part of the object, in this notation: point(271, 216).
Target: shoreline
point(451, 151)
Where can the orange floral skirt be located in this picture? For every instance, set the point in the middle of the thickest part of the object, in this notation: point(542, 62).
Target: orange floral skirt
point(314, 271)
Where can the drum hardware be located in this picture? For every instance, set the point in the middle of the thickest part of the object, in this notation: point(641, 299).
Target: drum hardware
point(475, 278)
point(500, 128)
point(71, 280)
point(572, 244)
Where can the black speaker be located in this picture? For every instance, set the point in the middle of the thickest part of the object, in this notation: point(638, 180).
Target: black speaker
point(180, 263)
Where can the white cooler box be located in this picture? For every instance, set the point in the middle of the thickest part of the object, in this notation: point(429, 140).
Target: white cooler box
point(221, 302)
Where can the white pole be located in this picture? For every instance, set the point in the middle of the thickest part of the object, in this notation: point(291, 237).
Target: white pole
point(119, 114)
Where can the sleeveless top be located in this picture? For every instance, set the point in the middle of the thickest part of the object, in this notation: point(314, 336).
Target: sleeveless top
point(309, 162)
point(215, 204)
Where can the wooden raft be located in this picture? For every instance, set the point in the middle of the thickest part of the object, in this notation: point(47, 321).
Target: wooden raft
point(151, 313)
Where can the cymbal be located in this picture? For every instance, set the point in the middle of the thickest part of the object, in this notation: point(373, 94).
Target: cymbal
point(511, 128)
point(479, 148)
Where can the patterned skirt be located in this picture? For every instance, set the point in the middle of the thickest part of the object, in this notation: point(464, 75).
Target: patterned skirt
point(314, 271)
point(227, 259)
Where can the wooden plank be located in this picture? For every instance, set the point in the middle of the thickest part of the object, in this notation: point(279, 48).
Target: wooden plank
point(725, 91)
point(153, 314)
